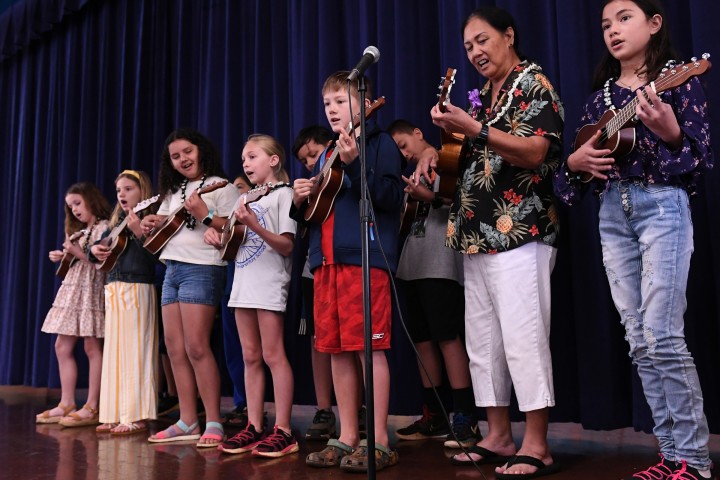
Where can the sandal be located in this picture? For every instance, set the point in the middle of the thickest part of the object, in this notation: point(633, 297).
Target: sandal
point(213, 431)
point(541, 471)
point(77, 420)
point(105, 427)
point(484, 456)
point(176, 432)
point(358, 460)
point(330, 456)
point(129, 428)
point(45, 417)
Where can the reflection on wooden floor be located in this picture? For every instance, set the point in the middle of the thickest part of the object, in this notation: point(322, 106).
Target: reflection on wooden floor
point(30, 451)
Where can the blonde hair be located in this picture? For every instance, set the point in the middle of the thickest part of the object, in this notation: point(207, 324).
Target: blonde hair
point(272, 147)
point(146, 190)
point(338, 81)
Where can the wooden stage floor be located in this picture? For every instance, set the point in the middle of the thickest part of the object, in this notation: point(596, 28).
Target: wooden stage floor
point(30, 451)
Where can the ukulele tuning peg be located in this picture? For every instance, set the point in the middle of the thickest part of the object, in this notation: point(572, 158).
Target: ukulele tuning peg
point(693, 59)
point(664, 70)
point(705, 56)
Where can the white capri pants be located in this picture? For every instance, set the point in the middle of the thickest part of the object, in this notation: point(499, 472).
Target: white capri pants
point(507, 326)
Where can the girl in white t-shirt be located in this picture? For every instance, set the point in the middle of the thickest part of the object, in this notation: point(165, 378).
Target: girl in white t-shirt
point(259, 296)
point(194, 279)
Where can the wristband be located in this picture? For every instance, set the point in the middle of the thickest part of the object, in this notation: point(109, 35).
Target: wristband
point(208, 219)
point(482, 137)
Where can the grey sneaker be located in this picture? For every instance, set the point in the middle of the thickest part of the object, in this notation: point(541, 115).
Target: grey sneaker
point(323, 426)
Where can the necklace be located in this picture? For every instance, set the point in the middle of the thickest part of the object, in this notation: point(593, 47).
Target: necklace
point(190, 223)
point(86, 239)
point(607, 96)
point(508, 95)
point(630, 86)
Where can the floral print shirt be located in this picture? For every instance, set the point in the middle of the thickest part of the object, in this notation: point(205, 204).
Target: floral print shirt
point(499, 206)
point(652, 160)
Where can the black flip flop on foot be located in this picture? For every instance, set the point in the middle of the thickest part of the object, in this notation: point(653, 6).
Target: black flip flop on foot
point(488, 456)
point(541, 471)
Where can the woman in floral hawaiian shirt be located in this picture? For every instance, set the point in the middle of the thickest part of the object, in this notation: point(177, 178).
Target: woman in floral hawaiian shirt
point(503, 218)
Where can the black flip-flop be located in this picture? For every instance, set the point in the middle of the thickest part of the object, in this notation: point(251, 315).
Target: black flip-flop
point(488, 456)
point(541, 471)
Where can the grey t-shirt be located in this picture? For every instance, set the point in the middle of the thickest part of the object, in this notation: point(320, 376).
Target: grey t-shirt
point(425, 255)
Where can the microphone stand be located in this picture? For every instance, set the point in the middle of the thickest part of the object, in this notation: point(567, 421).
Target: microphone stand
point(367, 314)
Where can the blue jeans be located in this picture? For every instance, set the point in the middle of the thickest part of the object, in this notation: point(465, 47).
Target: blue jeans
point(647, 241)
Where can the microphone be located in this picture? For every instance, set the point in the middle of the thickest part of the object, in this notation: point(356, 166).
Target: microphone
point(370, 55)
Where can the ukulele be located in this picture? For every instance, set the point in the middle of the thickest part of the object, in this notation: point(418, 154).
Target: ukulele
point(162, 233)
point(414, 208)
point(330, 178)
point(453, 146)
point(117, 241)
point(618, 126)
point(68, 259)
point(233, 233)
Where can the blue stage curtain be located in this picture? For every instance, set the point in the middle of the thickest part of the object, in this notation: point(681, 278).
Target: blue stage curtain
point(89, 88)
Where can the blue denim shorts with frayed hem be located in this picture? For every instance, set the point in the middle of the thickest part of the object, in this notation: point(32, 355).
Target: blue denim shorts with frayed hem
point(191, 283)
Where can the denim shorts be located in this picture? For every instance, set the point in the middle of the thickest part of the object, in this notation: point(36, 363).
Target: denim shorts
point(191, 283)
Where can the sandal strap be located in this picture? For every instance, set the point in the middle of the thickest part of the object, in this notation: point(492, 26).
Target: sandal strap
point(214, 430)
point(90, 409)
point(184, 427)
point(378, 446)
point(340, 445)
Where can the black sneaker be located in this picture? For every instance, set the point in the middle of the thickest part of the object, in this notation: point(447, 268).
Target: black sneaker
point(279, 444)
point(238, 418)
point(362, 423)
point(323, 426)
point(167, 404)
point(242, 442)
point(686, 472)
point(427, 426)
point(465, 431)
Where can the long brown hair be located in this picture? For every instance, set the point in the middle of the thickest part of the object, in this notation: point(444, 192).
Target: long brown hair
point(95, 202)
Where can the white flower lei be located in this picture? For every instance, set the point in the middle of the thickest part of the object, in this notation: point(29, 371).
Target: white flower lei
point(606, 88)
point(606, 94)
point(510, 93)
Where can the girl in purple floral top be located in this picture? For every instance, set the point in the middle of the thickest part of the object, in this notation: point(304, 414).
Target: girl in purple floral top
point(645, 226)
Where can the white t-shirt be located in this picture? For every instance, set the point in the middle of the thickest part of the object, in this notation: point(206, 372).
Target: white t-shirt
point(262, 275)
point(188, 245)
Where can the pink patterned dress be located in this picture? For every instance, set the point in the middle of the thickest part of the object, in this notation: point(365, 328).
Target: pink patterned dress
point(79, 306)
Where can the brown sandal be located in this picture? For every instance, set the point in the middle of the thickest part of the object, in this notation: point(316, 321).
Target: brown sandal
point(45, 417)
point(105, 427)
point(75, 420)
point(330, 456)
point(358, 461)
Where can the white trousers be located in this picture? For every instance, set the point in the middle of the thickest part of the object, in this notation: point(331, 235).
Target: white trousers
point(507, 326)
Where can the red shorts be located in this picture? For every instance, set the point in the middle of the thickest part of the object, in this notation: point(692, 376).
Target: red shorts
point(339, 319)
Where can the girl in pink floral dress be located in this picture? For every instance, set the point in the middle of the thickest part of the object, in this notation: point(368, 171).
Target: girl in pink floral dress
point(79, 306)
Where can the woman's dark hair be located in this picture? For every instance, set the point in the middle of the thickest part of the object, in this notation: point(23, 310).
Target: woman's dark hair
point(500, 20)
point(169, 178)
point(658, 52)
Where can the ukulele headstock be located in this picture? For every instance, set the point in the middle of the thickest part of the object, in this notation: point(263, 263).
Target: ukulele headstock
point(446, 84)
